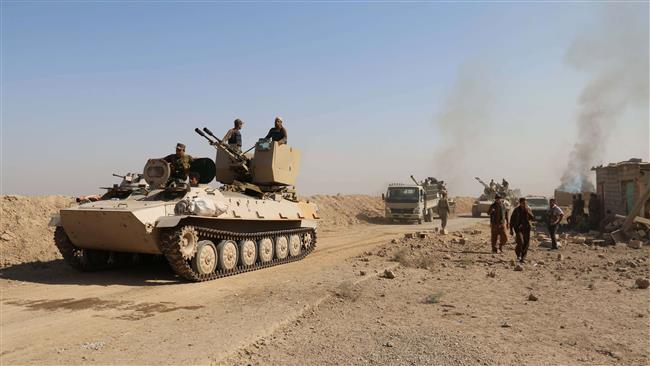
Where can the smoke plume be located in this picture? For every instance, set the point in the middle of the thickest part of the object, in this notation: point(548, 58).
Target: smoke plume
point(463, 116)
point(616, 57)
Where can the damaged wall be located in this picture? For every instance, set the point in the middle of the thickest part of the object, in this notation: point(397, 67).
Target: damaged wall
point(620, 185)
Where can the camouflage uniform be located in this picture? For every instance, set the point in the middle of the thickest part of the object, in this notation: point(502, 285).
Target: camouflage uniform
point(179, 166)
point(498, 222)
point(443, 211)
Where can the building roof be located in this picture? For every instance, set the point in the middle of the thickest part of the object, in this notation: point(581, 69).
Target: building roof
point(634, 161)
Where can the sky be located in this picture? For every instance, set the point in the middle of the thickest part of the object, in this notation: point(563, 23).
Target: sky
point(91, 89)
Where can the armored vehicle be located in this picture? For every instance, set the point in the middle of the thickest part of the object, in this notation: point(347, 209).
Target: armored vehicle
point(414, 202)
point(482, 204)
point(254, 220)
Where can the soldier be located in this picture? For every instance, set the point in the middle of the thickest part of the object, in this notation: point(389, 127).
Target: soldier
point(233, 136)
point(555, 215)
point(278, 133)
point(443, 210)
point(594, 212)
point(505, 184)
point(493, 186)
point(179, 164)
point(520, 224)
point(194, 179)
point(498, 223)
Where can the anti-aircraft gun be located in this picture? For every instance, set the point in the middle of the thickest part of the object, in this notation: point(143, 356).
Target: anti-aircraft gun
point(253, 221)
point(482, 204)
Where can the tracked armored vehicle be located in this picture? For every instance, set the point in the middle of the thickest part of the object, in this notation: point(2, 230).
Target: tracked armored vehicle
point(254, 220)
point(483, 203)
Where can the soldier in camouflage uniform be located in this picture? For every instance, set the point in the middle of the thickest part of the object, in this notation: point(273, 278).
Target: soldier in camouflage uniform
point(179, 164)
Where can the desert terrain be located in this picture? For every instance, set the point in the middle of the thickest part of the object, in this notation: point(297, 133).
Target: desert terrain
point(371, 293)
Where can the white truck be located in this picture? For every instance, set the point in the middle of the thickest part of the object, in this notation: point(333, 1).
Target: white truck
point(415, 202)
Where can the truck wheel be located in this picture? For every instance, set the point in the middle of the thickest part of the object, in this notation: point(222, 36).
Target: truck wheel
point(420, 221)
point(475, 212)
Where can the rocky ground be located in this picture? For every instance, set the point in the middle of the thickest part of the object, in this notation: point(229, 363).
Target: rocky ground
point(445, 299)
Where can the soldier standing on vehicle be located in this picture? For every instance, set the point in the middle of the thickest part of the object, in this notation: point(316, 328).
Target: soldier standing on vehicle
point(520, 224)
point(555, 215)
point(278, 133)
point(443, 210)
point(179, 164)
point(498, 223)
point(233, 136)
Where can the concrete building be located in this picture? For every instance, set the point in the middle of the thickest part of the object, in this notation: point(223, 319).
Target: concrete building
point(619, 185)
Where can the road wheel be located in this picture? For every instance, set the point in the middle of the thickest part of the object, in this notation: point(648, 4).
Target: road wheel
point(247, 252)
point(294, 245)
point(227, 252)
point(265, 250)
point(307, 241)
point(205, 259)
point(281, 247)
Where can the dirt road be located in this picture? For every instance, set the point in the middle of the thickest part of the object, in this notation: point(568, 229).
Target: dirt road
point(54, 315)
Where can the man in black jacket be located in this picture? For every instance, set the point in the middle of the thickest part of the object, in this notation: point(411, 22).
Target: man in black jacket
point(520, 224)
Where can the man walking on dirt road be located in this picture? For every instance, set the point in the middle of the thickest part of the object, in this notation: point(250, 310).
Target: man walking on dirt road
point(443, 210)
point(520, 225)
point(498, 223)
point(555, 215)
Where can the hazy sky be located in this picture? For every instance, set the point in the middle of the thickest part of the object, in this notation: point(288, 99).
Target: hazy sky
point(92, 89)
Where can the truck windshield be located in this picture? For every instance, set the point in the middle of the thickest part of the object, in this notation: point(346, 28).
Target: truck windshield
point(403, 194)
point(538, 202)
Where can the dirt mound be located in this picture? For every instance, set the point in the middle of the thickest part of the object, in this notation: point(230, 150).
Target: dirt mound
point(464, 204)
point(25, 236)
point(345, 210)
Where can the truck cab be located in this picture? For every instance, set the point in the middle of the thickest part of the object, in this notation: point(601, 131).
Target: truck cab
point(404, 202)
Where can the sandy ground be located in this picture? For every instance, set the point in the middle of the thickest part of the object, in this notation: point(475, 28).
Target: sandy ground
point(449, 303)
point(457, 304)
point(54, 315)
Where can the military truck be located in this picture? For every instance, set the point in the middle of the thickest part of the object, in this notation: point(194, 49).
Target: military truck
point(485, 200)
point(254, 220)
point(415, 202)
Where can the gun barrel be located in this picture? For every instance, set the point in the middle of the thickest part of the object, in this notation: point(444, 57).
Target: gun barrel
point(202, 134)
point(119, 176)
point(414, 180)
point(210, 133)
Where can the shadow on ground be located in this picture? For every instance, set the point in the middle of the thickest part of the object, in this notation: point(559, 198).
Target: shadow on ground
point(57, 272)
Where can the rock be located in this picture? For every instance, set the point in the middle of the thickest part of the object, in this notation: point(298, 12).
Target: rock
point(95, 346)
point(560, 257)
point(462, 241)
point(389, 274)
point(475, 232)
point(617, 235)
point(532, 297)
point(394, 241)
point(541, 263)
point(635, 244)
point(601, 256)
point(447, 257)
point(579, 239)
point(389, 344)
point(6, 236)
point(641, 233)
point(598, 242)
point(621, 269)
point(505, 325)
point(642, 283)
point(362, 273)
point(492, 274)
point(519, 268)
point(408, 236)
